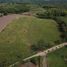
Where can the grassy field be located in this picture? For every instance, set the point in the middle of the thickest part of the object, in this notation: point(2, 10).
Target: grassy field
point(57, 58)
point(16, 38)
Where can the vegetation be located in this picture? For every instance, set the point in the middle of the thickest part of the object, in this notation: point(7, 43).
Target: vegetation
point(20, 34)
point(59, 15)
point(52, 13)
point(13, 8)
point(56, 13)
point(40, 46)
point(28, 34)
point(58, 58)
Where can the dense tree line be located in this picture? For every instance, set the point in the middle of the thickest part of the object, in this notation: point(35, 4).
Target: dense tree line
point(40, 46)
point(51, 13)
point(13, 8)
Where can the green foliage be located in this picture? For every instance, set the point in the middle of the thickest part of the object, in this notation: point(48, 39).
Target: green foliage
point(13, 8)
point(52, 12)
point(62, 27)
point(40, 46)
point(16, 38)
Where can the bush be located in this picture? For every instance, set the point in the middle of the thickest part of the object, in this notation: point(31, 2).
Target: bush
point(13, 8)
point(40, 46)
point(51, 13)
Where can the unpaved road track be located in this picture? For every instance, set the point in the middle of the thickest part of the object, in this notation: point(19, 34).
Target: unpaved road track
point(5, 20)
point(42, 53)
point(45, 52)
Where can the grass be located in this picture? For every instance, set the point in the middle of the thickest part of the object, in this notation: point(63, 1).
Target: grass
point(16, 38)
point(56, 59)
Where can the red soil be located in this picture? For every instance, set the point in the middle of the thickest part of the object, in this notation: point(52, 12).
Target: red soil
point(5, 20)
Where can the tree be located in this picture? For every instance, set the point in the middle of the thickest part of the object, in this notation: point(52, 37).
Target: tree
point(40, 46)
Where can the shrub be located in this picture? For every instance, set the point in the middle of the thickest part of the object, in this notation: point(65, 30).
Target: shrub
point(40, 46)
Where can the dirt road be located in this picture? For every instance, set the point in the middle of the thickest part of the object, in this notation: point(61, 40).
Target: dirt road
point(46, 51)
point(42, 53)
point(5, 20)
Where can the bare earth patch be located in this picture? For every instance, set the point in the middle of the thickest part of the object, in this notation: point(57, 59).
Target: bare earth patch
point(5, 20)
